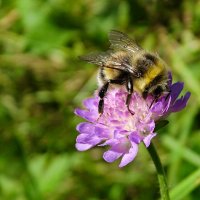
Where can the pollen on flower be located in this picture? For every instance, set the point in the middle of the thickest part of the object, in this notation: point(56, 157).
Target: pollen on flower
point(119, 129)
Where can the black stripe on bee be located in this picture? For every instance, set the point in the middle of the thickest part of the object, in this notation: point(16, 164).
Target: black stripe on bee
point(122, 77)
point(156, 80)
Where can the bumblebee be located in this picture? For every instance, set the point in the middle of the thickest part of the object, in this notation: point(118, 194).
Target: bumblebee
point(126, 63)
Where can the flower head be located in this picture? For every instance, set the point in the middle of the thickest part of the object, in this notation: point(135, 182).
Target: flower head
point(118, 128)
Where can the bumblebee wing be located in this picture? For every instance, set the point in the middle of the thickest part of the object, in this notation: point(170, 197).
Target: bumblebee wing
point(99, 58)
point(121, 41)
point(105, 59)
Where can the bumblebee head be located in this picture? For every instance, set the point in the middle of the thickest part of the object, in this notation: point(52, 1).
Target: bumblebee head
point(156, 91)
point(160, 90)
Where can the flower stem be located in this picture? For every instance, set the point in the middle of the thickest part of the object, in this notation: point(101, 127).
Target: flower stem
point(161, 174)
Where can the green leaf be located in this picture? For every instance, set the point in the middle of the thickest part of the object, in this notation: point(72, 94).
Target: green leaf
point(186, 186)
point(186, 153)
point(49, 172)
point(42, 34)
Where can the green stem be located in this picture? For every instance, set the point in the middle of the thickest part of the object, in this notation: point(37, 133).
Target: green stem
point(161, 174)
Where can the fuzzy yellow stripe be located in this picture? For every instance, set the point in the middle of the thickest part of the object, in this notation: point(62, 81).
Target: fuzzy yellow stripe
point(153, 71)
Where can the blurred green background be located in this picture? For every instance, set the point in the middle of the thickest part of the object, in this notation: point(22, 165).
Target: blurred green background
point(42, 81)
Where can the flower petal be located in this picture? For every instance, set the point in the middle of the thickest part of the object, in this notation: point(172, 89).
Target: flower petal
point(91, 116)
point(157, 107)
point(148, 138)
point(176, 89)
point(169, 79)
point(110, 142)
point(83, 147)
point(90, 103)
point(88, 139)
point(180, 103)
point(135, 137)
point(85, 127)
point(103, 132)
point(111, 156)
point(167, 105)
point(128, 157)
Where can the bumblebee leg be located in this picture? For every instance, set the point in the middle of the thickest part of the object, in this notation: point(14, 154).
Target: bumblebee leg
point(102, 93)
point(154, 100)
point(129, 87)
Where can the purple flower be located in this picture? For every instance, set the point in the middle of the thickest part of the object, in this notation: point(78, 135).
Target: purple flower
point(120, 130)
